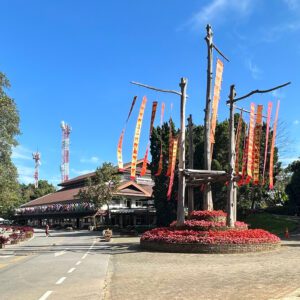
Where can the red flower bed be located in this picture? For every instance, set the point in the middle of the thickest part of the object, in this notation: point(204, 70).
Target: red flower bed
point(213, 215)
point(3, 240)
point(252, 236)
point(207, 225)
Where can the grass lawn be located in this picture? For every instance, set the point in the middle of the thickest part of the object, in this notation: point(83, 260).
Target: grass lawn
point(273, 223)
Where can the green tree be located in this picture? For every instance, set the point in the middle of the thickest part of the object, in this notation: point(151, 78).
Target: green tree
point(101, 187)
point(293, 188)
point(165, 210)
point(9, 129)
point(29, 192)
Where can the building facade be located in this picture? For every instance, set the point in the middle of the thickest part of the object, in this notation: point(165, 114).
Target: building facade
point(132, 207)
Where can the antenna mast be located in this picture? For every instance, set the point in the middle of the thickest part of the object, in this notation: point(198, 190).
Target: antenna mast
point(37, 159)
point(64, 168)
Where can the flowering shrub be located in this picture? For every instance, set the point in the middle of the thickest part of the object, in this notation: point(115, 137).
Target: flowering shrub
point(208, 225)
point(213, 215)
point(3, 239)
point(13, 236)
point(252, 236)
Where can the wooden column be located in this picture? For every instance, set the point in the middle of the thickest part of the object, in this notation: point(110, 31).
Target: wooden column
point(191, 165)
point(207, 197)
point(181, 177)
point(231, 184)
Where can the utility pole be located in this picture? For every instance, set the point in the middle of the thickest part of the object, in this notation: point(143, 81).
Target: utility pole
point(181, 176)
point(207, 197)
point(191, 165)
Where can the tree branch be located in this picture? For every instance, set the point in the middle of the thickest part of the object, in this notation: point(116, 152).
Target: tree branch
point(259, 92)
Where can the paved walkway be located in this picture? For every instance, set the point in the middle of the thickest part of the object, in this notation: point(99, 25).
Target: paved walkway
point(134, 274)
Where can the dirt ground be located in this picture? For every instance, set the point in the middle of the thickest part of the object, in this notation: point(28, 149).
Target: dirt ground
point(135, 274)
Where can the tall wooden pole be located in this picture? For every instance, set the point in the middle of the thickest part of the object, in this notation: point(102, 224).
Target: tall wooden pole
point(191, 165)
point(231, 203)
point(181, 177)
point(207, 197)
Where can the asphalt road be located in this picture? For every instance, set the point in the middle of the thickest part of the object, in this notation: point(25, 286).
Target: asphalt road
point(66, 265)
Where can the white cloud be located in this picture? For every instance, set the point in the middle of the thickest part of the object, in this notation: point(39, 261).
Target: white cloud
point(287, 160)
point(296, 122)
point(255, 71)
point(25, 174)
point(278, 94)
point(81, 172)
point(21, 153)
point(220, 10)
point(279, 31)
point(93, 160)
point(292, 4)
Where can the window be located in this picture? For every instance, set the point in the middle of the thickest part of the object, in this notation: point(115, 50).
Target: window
point(138, 203)
point(128, 203)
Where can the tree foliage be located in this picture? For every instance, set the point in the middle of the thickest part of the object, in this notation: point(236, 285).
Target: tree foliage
point(165, 210)
point(9, 129)
point(293, 188)
point(101, 187)
point(29, 192)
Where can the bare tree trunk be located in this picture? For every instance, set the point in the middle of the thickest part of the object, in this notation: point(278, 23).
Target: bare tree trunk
point(207, 197)
point(181, 177)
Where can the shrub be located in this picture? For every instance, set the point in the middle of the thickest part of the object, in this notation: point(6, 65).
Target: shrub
point(3, 240)
point(207, 215)
point(253, 236)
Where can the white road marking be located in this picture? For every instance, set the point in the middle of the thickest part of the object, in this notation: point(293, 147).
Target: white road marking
point(61, 280)
point(71, 270)
point(59, 253)
point(5, 256)
point(84, 256)
point(78, 263)
point(46, 295)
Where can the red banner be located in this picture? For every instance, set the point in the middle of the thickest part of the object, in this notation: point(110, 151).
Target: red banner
point(131, 108)
point(119, 151)
point(237, 144)
point(271, 182)
point(173, 163)
point(160, 164)
point(250, 142)
point(216, 99)
point(170, 148)
point(136, 140)
point(145, 161)
point(270, 104)
point(256, 148)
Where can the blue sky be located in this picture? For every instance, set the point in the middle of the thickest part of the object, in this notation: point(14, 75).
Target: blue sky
point(73, 61)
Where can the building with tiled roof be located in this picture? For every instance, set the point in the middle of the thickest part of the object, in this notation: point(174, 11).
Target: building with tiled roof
point(133, 205)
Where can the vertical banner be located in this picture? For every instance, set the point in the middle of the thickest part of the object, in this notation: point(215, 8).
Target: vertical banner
point(270, 104)
point(244, 162)
point(256, 145)
point(250, 143)
point(271, 183)
point(120, 143)
point(145, 161)
point(160, 164)
point(170, 148)
point(136, 140)
point(237, 144)
point(119, 152)
point(173, 163)
point(216, 99)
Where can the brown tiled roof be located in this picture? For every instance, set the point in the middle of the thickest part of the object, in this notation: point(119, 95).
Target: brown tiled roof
point(128, 188)
point(61, 196)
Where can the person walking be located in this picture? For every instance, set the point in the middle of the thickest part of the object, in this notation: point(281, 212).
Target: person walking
point(47, 230)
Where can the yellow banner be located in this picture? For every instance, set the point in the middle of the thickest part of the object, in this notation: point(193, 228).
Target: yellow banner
point(216, 99)
point(136, 140)
point(119, 151)
point(173, 163)
point(271, 182)
point(257, 138)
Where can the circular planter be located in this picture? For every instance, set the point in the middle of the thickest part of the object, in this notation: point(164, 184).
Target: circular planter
point(207, 248)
